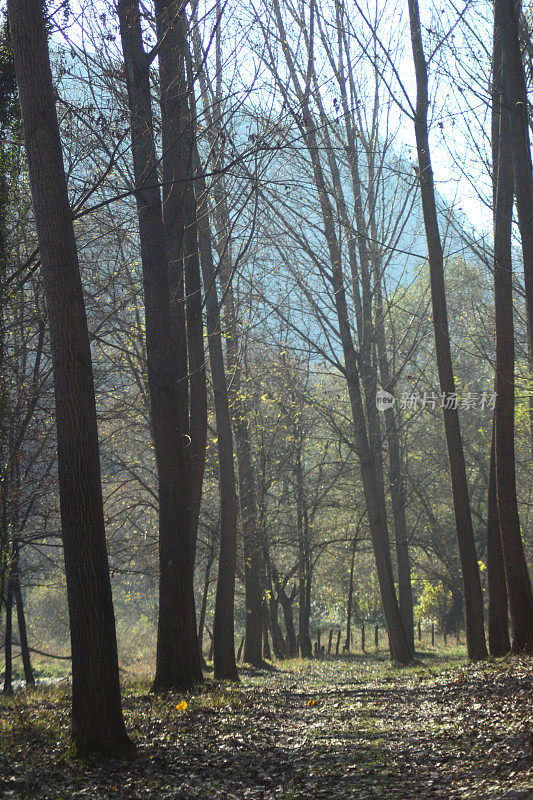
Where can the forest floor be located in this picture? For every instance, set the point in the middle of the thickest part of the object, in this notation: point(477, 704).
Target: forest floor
point(339, 728)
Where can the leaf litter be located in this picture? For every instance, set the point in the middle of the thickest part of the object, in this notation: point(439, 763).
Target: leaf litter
point(341, 728)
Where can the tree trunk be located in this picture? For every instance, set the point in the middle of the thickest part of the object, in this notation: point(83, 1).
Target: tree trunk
point(178, 131)
point(178, 662)
point(507, 14)
point(97, 722)
point(252, 544)
point(350, 598)
point(516, 148)
point(266, 645)
point(475, 633)
point(304, 580)
point(499, 644)
point(286, 605)
point(278, 642)
point(8, 640)
point(223, 625)
point(23, 635)
point(205, 595)
point(396, 482)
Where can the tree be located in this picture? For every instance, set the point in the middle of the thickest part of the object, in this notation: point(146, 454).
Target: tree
point(222, 227)
point(465, 535)
point(511, 161)
point(178, 656)
point(223, 625)
point(359, 376)
point(97, 722)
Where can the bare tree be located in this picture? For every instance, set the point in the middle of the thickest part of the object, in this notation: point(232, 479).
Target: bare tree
point(97, 722)
point(178, 656)
point(465, 535)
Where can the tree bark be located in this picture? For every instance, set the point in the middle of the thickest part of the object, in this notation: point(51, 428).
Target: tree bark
point(304, 576)
point(396, 480)
point(97, 722)
point(278, 642)
point(223, 625)
point(475, 634)
point(252, 544)
point(178, 132)
point(499, 643)
point(8, 640)
point(506, 19)
point(514, 147)
point(178, 663)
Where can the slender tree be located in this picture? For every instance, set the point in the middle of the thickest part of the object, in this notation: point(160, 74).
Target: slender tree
point(223, 624)
point(97, 722)
point(510, 142)
point(221, 239)
point(475, 633)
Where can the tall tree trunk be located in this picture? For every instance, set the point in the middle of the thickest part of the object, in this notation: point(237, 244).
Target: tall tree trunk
point(97, 722)
point(278, 642)
point(21, 620)
point(178, 132)
point(507, 15)
point(8, 640)
point(251, 539)
point(223, 626)
point(178, 662)
point(499, 643)
point(475, 634)
point(178, 119)
point(252, 544)
point(286, 602)
point(514, 146)
point(396, 481)
point(265, 626)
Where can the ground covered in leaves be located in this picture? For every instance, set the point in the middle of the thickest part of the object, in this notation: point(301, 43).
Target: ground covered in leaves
point(340, 728)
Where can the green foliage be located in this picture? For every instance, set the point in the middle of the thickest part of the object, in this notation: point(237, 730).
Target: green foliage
point(434, 602)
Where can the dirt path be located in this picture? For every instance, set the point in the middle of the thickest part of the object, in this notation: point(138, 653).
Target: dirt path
point(332, 729)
